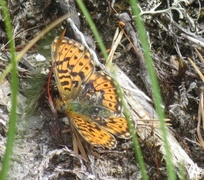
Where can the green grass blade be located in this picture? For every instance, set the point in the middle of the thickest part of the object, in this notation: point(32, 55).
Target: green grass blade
point(14, 90)
point(155, 86)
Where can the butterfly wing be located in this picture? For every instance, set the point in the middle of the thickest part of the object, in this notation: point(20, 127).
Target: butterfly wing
point(91, 131)
point(118, 126)
point(101, 93)
point(72, 64)
point(100, 90)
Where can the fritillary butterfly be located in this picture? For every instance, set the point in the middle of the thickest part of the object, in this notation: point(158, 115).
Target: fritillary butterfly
point(88, 97)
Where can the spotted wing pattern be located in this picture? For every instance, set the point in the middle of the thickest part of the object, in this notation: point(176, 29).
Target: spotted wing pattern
point(92, 132)
point(72, 64)
point(100, 88)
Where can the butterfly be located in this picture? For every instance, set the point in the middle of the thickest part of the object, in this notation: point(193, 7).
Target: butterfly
point(88, 97)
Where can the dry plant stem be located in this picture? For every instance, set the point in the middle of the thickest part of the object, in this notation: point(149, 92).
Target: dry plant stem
point(201, 117)
point(200, 56)
point(201, 104)
point(77, 144)
point(196, 69)
point(176, 25)
point(195, 40)
point(116, 40)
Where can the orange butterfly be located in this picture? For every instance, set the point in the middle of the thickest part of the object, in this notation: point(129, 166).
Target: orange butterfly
point(88, 97)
